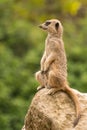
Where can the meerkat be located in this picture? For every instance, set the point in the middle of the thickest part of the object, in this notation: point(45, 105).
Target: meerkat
point(53, 73)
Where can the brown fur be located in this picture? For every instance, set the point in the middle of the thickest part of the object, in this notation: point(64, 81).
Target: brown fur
point(53, 72)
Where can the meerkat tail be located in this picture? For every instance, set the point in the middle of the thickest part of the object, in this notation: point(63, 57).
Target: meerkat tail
point(76, 102)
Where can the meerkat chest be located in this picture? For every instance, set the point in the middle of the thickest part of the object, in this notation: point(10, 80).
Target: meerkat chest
point(48, 46)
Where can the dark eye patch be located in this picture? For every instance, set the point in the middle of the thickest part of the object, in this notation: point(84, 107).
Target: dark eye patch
point(47, 23)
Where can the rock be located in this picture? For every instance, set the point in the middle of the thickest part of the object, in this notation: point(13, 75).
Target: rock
point(55, 112)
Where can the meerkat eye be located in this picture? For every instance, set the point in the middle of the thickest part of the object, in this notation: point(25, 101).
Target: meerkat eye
point(47, 23)
point(57, 25)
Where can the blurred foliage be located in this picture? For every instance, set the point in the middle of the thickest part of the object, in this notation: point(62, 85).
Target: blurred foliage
point(22, 45)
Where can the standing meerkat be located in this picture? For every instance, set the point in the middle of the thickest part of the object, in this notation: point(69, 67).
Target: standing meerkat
point(53, 73)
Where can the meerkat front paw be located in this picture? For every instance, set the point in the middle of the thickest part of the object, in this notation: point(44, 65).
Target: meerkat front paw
point(42, 68)
point(46, 66)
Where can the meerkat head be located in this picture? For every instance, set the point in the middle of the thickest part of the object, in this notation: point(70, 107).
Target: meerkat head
point(53, 27)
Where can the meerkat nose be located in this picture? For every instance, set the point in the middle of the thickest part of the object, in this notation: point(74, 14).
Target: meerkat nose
point(40, 26)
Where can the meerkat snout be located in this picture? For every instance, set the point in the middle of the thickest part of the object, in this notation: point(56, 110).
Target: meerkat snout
point(45, 25)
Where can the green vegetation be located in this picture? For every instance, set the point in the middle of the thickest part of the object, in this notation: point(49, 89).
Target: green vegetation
point(22, 45)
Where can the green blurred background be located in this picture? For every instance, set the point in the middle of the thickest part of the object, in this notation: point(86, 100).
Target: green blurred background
point(22, 45)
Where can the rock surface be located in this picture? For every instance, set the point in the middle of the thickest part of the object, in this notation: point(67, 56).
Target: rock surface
point(55, 112)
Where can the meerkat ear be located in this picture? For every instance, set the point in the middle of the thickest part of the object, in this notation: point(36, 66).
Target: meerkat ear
point(56, 26)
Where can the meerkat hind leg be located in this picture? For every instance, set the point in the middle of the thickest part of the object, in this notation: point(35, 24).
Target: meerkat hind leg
point(52, 91)
point(41, 78)
point(40, 87)
point(54, 83)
